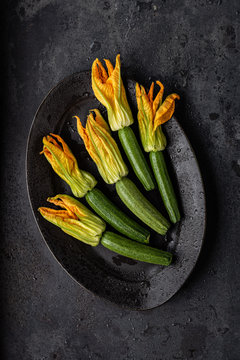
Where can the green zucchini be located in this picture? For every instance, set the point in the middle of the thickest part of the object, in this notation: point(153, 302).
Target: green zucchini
point(115, 217)
point(165, 185)
point(133, 250)
point(136, 158)
point(140, 206)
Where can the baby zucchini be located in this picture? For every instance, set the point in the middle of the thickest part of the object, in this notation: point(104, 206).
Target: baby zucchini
point(133, 250)
point(136, 158)
point(165, 185)
point(140, 206)
point(115, 217)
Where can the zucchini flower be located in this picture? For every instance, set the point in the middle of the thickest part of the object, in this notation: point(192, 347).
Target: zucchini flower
point(65, 165)
point(105, 153)
point(152, 114)
point(102, 147)
point(75, 220)
point(109, 90)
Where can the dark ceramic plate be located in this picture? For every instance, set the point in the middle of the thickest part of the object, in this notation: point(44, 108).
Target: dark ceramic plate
point(126, 282)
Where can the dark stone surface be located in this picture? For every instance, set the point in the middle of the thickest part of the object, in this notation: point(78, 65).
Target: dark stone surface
point(193, 47)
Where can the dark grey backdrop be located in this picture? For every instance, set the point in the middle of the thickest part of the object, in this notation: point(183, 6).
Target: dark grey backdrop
point(192, 46)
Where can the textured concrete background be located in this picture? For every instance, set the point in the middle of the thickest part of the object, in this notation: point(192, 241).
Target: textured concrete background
point(192, 46)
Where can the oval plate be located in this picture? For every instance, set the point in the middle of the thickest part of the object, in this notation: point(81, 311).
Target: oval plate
point(128, 283)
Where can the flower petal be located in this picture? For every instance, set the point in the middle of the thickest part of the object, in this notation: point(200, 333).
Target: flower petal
point(109, 66)
point(150, 93)
point(145, 117)
point(138, 94)
point(85, 135)
point(50, 214)
point(81, 130)
point(102, 74)
point(166, 110)
point(100, 120)
point(146, 107)
point(158, 99)
point(116, 79)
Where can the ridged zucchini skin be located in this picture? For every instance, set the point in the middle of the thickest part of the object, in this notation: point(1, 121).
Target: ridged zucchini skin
point(136, 251)
point(115, 217)
point(165, 185)
point(140, 206)
point(136, 157)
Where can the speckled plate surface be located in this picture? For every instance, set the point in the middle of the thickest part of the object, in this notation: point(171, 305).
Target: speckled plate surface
point(128, 283)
